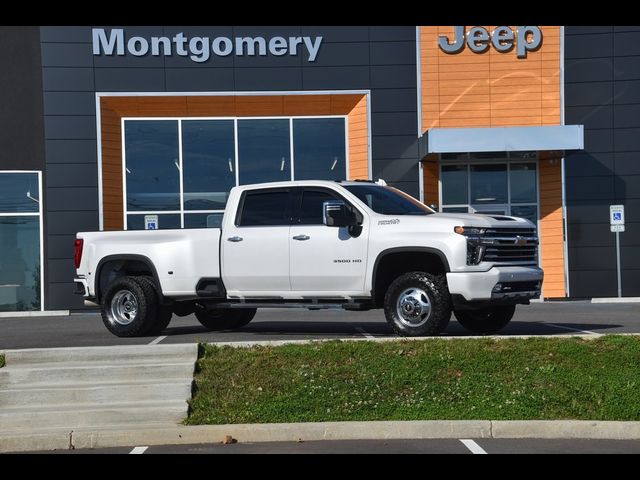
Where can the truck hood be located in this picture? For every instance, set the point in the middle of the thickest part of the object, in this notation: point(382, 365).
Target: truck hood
point(480, 220)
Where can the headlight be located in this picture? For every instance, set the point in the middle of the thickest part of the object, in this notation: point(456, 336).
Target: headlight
point(469, 230)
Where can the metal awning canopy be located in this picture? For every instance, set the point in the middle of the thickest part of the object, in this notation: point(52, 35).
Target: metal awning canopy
point(502, 139)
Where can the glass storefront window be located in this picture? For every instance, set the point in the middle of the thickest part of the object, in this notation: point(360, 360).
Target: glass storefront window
point(20, 248)
point(319, 148)
point(166, 221)
point(19, 192)
point(208, 158)
point(152, 165)
point(488, 183)
point(530, 212)
point(183, 169)
point(455, 189)
point(522, 177)
point(264, 151)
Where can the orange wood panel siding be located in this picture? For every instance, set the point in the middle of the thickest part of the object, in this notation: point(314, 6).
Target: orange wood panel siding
point(489, 89)
point(431, 177)
point(112, 109)
point(551, 227)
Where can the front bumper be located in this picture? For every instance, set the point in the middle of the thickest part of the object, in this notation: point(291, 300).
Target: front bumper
point(500, 284)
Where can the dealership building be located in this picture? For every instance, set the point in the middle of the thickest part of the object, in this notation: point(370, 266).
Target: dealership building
point(124, 128)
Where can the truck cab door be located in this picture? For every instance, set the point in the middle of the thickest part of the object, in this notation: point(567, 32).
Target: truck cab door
point(255, 245)
point(325, 260)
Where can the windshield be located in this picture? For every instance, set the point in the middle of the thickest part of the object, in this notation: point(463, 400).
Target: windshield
point(388, 200)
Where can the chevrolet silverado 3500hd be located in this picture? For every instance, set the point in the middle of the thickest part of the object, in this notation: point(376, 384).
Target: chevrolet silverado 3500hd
point(315, 244)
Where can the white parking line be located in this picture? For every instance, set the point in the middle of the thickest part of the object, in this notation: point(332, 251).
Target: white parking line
point(574, 329)
point(473, 446)
point(157, 340)
point(363, 332)
point(138, 451)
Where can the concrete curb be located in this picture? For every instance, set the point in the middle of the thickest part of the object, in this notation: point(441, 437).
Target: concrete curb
point(377, 430)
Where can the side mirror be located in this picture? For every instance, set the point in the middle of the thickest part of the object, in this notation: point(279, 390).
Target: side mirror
point(335, 213)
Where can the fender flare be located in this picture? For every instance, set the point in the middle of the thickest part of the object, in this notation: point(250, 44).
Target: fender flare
point(140, 258)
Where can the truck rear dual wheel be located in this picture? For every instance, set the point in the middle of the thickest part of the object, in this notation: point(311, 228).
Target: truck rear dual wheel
point(486, 320)
point(225, 318)
point(130, 308)
point(418, 304)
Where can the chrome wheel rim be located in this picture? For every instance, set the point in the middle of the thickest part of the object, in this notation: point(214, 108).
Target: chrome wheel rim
point(124, 307)
point(413, 307)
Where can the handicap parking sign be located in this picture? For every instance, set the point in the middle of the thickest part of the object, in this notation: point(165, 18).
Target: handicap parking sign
point(151, 222)
point(617, 216)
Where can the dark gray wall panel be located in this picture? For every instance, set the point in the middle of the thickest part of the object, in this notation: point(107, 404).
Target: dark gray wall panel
point(627, 163)
point(201, 80)
point(627, 187)
point(70, 103)
point(626, 68)
point(394, 123)
point(60, 246)
point(396, 76)
point(593, 283)
point(67, 55)
point(590, 93)
point(69, 175)
point(597, 258)
point(597, 140)
point(129, 79)
point(411, 188)
point(380, 33)
point(590, 235)
point(268, 79)
point(71, 127)
point(64, 223)
point(631, 283)
point(21, 142)
point(588, 46)
point(400, 170)
point(626, 28)
point(631, 236)
point(60, 296)
point(339, 54)
point(71, 151)
point(68, 80)
point(626, 43)
point(627, 116)
point(130, 61)
point(588, 212)
point(584, 164)
point(588, 69)
point(66, 199)
point(395, 147)
point(340, 33)
point(580, 30)
point(334, 78)
point(626, 139)
point(394, 100)
point(591, 117)
point(61, 270)
point(393, 53)
point(69, 34)
point(627, 91)
point(590, 188)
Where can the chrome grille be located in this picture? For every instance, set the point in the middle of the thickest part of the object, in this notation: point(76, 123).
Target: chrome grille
point(510, 245)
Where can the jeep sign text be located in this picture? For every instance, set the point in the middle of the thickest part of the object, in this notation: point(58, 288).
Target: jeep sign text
point(503, 39)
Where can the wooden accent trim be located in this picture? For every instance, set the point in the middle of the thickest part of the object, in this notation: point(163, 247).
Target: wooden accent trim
point(112, 109)
point(490, 89)
point(431, 178)
point(551, 232)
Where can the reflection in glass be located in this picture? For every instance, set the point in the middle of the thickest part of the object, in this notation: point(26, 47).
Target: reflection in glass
point(266, 208)
point(19, 193)
point(19, 263)
point(489, 183)
point(264, 151)
point(530, 212)
point(311, 208)
point(202, 220)
point(454, 184)
point(166, 221)
point(319, 148)
point(208, 159)
point(523, 183)
point(152, 165)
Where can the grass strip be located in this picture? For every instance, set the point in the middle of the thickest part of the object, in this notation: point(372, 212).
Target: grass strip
point(568, 378)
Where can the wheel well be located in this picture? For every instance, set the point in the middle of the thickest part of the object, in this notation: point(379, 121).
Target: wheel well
point(391, 265)
point(111, 269)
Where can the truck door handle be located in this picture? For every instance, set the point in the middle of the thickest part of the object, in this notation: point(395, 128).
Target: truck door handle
point(301, 237)
point(235, 239)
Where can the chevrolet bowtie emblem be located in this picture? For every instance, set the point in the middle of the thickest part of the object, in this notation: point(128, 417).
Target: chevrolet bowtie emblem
point(520, 240)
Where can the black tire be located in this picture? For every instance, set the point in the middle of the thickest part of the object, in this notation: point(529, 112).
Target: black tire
point(225, 318)
point(486, 320)
point(163, 313)
point(140, 296)
point(437, 304)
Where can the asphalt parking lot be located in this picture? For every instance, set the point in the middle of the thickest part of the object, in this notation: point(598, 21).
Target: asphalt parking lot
point(436, 446)
point(549, 318)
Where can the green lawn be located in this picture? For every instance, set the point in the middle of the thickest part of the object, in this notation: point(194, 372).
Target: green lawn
point(567, 378)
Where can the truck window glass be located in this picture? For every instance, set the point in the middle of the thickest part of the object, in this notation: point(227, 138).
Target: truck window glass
point(266, 209)
point(311, 207)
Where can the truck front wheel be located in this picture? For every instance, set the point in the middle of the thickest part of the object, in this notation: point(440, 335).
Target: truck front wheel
point(129, 307)
point(225, 318)
point(486, 320)
point(418, 304)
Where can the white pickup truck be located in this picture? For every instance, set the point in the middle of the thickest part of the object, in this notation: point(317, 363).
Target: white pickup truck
point(315, 244)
